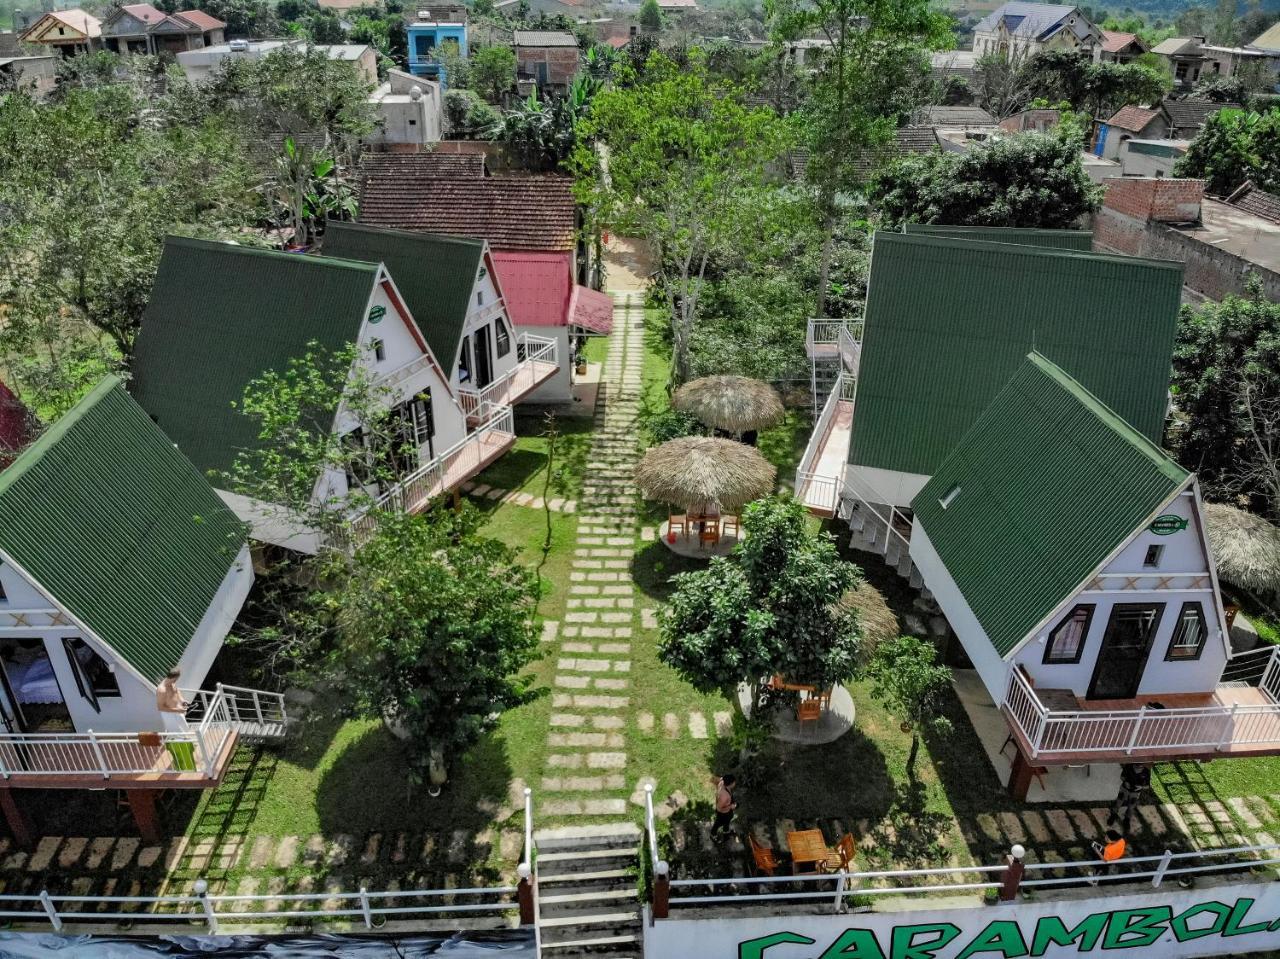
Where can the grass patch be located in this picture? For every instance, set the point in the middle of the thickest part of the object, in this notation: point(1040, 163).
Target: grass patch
point(524, 468)
point(596, 349)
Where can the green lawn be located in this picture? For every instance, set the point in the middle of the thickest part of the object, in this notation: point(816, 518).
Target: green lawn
point(524, 468)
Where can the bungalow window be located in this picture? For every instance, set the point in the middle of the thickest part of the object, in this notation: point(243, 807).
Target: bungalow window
point(1152, 558)
point(1066, 642)
point(1189, 633)
point(93, 675)
point(479, 298)
point(502, 338)
point(379, 350)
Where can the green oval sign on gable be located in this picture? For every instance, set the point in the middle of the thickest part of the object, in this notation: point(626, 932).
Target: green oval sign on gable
point(377, 313)
point(1167, 524)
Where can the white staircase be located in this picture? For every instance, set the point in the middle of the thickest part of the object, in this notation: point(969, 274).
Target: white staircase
point(588, 900)
point(254, 715)
point(877, 528)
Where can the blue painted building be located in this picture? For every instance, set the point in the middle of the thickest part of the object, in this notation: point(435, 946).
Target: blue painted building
point(433, 31)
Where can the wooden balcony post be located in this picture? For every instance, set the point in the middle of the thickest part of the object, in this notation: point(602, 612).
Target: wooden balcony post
point(524, 894)
point(1021, 774)
point(1013, 873)
point(142, 803)
point(661, 889)
point(19, 823)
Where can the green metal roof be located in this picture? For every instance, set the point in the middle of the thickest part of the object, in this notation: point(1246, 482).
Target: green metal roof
point(119, 527)
point(1049, 482)
point(221, 315)
point(1079, 240)
point(948, 321)
point(434, 273)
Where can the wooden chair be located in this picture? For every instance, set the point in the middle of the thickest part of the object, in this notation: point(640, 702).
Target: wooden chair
point(677, 523)
point(729, 526)
point(709, 535)
point(842, 855)
point(762, 857)
point(809, 711)
point(824, 698)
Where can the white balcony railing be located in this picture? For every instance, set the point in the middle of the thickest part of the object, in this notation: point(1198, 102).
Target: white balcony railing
point(216, 716)
point(1227, 724)
point(450, 469)
point(815, 488)
point(538, 359)
point(825, 337)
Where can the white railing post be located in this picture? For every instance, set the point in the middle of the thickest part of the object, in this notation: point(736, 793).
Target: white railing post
point(210, 917)
point(206, 759)
point(54, 919)
point(1225, 738)
point(98, 754)
point(840, 886)
point(364, 908)
point(1137, 726)
point(1162, 868)
point(257, 708)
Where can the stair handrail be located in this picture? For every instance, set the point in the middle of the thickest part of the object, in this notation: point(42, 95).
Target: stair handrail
point(661, 869)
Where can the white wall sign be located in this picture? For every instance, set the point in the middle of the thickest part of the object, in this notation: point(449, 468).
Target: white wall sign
point(1228, 919)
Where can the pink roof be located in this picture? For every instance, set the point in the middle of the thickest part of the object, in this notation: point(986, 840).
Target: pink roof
point(536, 286)
point(198, 18)
point(592, 310)
point(1114, 41)
point(143, 11)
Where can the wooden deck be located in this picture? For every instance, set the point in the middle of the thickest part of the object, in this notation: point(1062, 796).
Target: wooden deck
point(1191, 726)
point(25, 764)
point(466, 463)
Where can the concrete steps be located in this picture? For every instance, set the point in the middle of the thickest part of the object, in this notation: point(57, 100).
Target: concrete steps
point(588, 898)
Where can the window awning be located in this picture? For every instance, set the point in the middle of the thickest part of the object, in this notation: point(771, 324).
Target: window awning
point(591, 310)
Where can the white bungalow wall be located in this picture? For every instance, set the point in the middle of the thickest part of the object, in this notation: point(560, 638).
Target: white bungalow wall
point(1184, 552)
point(134, 709)
point(558, 388)
point(486, 309)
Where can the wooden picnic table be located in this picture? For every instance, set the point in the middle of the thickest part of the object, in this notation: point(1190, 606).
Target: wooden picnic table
point(808, 848)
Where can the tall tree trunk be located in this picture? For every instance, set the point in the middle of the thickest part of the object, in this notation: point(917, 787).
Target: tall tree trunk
point(911, 757)
point(827, 206)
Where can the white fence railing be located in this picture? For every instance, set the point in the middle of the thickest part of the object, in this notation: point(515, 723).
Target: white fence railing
point(532, 350)
point(1008, 877)
point(889, 522)
point(216, 715)
point(429, 480)
point(1144, 730)
point(815, 489)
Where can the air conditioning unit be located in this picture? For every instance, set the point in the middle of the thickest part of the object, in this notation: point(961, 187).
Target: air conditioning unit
point(424, 14)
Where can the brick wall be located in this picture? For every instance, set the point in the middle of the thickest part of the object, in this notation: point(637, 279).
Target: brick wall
point(1164, 200)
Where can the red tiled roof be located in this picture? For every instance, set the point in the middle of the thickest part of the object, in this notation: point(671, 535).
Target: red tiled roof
point(519, 212)
point(144, 12)
point(1113, 41)
point(1258, 202)
point(200, 19)
point(535, 286)
point(1132, 118)
point(592, 310)
point(617, 42)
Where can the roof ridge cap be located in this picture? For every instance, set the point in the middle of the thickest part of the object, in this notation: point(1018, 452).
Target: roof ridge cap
point(227, 246)
point(1027, 249)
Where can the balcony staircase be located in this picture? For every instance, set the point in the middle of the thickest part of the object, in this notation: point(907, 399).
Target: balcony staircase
point(588, 900)
point(880, 529)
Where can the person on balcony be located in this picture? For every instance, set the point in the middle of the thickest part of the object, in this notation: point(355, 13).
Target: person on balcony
point(173, 708)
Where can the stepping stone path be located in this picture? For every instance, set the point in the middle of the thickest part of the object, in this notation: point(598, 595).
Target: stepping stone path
point(591, 648)
point(484, 491)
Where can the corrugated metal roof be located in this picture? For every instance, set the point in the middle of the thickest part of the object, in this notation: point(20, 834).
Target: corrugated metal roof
point(221, 315)
point(435, 274)
point(120, 528)
point(592, 310)
point(536, 286)
point(1050, 481)
point(1078, 240)
point(949, 320)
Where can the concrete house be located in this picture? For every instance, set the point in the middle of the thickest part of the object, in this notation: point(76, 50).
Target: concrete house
point(1019, 30)
point(546, 58)
point(36, 74)
point(68, 32)
point(1193, 59)
point(204, 338)
point(1068, 553)
point(141, 28)
point(1128, 123)
point(1120, 47)
point(452, 288)
point(118, 563)
point(409, 109)
point(199, 64)
point(432, 33)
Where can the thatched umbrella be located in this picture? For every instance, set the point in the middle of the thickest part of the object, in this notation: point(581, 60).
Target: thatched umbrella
point(878, 621)
point(1245, 546)
point(693, 472)
point(734, 404)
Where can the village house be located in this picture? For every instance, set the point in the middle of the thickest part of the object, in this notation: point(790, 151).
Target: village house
point(410, 111)
point(1221, 242)
point(39, 75)
point(531, 225)
point(201, 344)
point(453, 290)
point(1019, 30)
point(200, 64)
point(1120, 47)
point(547, 59)
point(118, 563)
point(68, 32)
point(1192, 59)
point(141, 28)
point(1151, 158)
point(1171, 119)
point(434, 34)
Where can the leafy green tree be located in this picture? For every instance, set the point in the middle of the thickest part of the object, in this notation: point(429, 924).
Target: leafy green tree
point(542, 133)
point(1029, 180)
point(650, 15)
point(1226, 365)
point(1099, 89)
point(906, 678)
point(493, 72)
point(1235, 146)
point(769, 608)
point(468, 117)
point(681, 144)
point(876, 61)
point(428, 626)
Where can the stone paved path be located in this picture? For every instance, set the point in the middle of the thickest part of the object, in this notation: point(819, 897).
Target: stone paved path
point(557, 504)
point(587, 734)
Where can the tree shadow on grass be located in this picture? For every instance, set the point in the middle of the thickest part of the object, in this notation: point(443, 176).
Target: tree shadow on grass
point(653, 567)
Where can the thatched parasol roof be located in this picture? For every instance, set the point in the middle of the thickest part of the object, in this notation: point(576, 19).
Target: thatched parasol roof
point(879, 623)
point(734, 404)
point(1245, 546)
point(695, 471)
